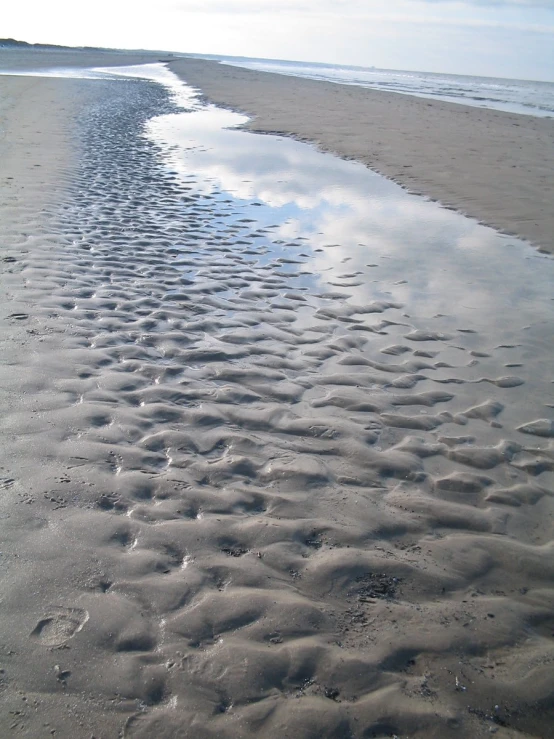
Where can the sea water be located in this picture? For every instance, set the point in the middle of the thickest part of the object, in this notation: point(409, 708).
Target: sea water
point(514, 96)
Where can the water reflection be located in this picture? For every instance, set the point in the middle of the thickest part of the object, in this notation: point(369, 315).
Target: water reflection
point(364, 232)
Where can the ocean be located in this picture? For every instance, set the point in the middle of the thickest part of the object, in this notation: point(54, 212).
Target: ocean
point(514, 96)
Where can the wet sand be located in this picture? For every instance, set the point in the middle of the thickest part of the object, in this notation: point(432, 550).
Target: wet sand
point(496, 167)
point(24, 60)
point(243, 496)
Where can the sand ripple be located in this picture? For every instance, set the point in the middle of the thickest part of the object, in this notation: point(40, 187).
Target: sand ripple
point(257, 506)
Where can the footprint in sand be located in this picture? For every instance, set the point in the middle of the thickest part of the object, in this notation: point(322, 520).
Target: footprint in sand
point(59, 625)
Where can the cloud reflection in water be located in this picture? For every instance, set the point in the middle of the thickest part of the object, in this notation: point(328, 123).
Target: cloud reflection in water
point(447, 263)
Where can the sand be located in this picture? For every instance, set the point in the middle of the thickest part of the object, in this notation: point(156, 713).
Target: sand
point(223, 513)
point(494, 166)
point(24, 60)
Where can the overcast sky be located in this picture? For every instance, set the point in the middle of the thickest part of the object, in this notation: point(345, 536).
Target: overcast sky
point(504, 38)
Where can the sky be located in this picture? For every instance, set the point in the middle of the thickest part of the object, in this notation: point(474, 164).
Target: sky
point(501, 38)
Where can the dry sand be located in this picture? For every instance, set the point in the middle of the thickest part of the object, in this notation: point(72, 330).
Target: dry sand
point(223, 513)
point(494, 166)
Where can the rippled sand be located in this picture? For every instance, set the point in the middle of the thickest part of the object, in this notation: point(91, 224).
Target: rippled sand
point(247, 490)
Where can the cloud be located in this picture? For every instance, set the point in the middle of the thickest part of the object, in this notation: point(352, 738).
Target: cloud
point(364, 18)
point(448, 13)
point(339, 7)
point(437, 20)
point(247, 7)
point(497, 3)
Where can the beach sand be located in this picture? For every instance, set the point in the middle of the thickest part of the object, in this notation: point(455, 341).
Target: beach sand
point(24, 60)
point(223, 513)
point(494, 166)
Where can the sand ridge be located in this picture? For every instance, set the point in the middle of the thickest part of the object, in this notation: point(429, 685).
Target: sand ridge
point(224, 513)
point(494, 166)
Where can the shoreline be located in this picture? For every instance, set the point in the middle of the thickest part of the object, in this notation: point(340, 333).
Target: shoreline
point(493, 166)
